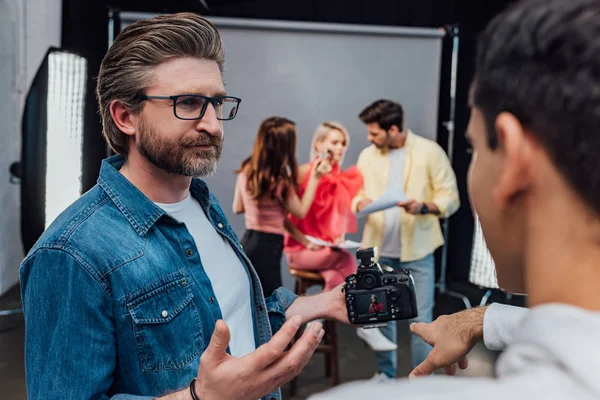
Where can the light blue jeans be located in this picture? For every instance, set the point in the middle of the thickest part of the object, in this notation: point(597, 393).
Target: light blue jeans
point(423, 272)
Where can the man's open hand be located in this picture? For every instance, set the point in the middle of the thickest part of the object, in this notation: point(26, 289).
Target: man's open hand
point(223, 377)
point(328, 305)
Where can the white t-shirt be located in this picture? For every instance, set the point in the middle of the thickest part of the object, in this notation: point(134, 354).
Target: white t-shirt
point(390, 244)
point(224, 269)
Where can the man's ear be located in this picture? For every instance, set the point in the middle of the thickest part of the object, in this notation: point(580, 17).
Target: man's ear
point(123, 117)
point(394, 130)
point(515, 148)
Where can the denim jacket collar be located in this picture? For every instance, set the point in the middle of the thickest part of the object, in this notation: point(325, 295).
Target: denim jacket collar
point(140, 211)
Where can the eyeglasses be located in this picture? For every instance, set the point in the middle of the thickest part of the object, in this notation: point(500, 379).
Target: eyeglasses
point(193, 106)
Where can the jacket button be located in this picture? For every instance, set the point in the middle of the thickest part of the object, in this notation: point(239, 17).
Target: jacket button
point(189, 252)
point(211, 299)
point(164, 313)
point(220, 225)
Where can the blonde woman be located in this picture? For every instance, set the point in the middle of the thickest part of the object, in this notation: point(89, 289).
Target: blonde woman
point(329, 218)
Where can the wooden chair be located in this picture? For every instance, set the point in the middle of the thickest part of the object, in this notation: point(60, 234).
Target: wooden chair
point(304, 280)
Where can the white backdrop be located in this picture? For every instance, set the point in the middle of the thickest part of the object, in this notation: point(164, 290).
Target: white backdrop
point(312, 72)
point(27, 29)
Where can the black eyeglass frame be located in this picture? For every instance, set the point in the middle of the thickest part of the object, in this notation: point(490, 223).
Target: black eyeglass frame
point(211, 100)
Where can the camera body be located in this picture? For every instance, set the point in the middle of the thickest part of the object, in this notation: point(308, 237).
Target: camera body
point(374, 296)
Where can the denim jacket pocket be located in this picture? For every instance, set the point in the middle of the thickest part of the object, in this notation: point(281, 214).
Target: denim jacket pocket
point(166, 326)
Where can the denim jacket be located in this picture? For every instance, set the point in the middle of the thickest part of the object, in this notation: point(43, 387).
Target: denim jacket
point(117, 303)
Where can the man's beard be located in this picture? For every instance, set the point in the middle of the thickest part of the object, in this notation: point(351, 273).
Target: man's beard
point(386, 144)
point(180, 157)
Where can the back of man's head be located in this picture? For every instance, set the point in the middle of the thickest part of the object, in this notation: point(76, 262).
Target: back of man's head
point(540, 61)
point(126, 70)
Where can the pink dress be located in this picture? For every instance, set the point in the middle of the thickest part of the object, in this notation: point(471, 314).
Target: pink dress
point(328, 218)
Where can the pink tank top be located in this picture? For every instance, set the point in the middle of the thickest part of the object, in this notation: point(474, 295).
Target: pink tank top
point(264, 215)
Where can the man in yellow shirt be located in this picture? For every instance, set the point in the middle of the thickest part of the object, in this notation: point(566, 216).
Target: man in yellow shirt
point(407, 235)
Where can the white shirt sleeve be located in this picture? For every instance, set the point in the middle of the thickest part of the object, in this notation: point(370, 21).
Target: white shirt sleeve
point(499, 324)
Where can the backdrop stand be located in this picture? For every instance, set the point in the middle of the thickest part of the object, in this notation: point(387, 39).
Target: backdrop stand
point(452, 32)
point(15, 179)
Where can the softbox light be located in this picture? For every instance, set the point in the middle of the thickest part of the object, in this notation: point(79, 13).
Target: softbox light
point(483, 269)
point(52, 138)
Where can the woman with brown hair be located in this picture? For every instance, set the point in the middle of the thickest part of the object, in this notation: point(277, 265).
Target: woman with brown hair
point(266, 192)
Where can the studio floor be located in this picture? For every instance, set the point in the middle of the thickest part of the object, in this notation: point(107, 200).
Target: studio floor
point(356, 360)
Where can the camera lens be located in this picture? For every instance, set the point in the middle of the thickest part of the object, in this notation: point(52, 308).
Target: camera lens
point(368, 281)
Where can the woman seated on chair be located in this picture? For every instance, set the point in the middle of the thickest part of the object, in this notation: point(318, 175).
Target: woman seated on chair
point(329, 219)
point(266, 192)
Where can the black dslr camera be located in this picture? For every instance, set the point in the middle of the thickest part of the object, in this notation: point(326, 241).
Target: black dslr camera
point(374, 297)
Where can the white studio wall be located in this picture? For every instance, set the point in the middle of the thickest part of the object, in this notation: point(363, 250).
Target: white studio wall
point(313, 72)
point(27, 29)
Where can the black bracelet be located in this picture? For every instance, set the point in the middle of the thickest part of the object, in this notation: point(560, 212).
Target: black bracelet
point(192, 389)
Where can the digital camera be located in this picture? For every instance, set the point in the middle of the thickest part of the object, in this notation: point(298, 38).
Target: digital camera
point(374, 296)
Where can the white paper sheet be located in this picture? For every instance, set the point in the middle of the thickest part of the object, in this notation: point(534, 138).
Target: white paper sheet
point(346, 244)
point(388, 200)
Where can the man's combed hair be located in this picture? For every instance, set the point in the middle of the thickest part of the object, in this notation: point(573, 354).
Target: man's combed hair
point(127, 67)
point(384, 112)
point(540, 61)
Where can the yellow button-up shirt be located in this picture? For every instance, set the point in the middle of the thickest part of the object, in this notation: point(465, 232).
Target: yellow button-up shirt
point(428, 177)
